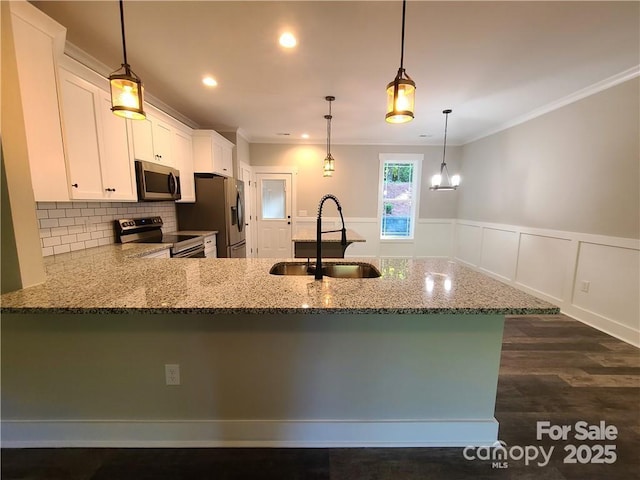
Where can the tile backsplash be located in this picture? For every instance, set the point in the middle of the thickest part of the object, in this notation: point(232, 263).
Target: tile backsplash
point(70, 226)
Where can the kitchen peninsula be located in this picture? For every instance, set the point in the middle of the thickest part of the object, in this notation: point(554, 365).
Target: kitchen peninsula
point(407, 359)
point(304, 243)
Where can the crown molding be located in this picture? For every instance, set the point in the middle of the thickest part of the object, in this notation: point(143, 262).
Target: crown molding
point(100, 68)
point(605, 84)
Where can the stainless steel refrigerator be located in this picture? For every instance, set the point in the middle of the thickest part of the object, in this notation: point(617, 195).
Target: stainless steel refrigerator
point(219, 206)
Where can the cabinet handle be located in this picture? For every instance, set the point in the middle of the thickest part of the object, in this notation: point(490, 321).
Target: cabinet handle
point(74, 185)
point(110, 189)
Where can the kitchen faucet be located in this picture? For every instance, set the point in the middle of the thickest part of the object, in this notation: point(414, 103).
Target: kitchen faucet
point(319, 232)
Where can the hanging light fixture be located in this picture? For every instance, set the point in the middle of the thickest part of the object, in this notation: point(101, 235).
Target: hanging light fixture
point(453, 181)
point(401, 93)
point(329, 163)
point(126, 86)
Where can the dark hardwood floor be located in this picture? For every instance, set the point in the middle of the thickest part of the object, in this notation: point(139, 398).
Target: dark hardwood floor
point(553, 369)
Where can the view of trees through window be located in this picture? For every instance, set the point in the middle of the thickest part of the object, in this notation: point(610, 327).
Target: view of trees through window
point(398, 192)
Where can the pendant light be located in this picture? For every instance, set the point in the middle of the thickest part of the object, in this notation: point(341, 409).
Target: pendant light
point(126, 86)
point(453, 181)
point(401, 93)
point(329, 163)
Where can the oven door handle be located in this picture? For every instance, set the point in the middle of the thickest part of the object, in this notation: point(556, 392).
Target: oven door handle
point(197, 252)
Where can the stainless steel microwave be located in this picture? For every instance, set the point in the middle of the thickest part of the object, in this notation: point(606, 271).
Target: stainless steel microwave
point(157, 182)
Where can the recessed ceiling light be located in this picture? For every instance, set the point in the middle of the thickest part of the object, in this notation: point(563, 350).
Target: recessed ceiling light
point(305, 135)
point(209, 81)
point(287, 40)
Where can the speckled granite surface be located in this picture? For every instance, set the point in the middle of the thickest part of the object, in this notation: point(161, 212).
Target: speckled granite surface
point(113, 279)
point(304, 236)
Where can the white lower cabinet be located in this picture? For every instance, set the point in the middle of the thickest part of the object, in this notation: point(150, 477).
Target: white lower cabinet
point(210, 246)
point(161, 254)
point(96, 143)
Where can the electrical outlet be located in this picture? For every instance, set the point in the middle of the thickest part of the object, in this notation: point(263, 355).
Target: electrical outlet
point(172, 374)
point(584, 286)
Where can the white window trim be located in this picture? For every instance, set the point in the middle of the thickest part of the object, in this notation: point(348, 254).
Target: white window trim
point(416, 159)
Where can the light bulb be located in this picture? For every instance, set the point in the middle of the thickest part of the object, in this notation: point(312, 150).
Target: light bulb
point(127, 98)
point(402, 103)
point(435, 180)
point(455, 180)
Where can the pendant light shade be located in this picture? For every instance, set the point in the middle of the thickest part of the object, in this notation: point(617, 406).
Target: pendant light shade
point(401, 96)
point(442, 180)
point(126, 87)
point(328, 166)
point(401, 92)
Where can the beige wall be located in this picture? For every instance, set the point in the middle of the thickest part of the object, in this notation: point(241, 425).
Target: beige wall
point(355, 181)
point(574, 169)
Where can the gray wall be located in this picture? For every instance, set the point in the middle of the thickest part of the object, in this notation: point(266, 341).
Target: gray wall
point(574, 169)
point(355, 181)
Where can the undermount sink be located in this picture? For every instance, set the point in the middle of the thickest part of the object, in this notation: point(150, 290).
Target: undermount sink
point(329, 269)
point(292, 268)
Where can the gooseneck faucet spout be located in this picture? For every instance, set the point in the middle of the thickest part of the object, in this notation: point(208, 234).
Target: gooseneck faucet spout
point(319, 232)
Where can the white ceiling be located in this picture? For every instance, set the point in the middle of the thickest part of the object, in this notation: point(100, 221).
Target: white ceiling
point(491, 62)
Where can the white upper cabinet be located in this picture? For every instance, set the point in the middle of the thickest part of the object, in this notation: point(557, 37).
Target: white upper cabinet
point(212, 153)
point(38, 42)
point(182, 149)
point(142, 139)
point(118, 172)
point(96, 143)
point(152, 140)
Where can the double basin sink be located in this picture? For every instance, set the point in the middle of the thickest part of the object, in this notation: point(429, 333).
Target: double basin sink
point(329, 269)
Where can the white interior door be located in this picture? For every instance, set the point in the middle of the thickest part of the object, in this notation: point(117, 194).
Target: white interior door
point(274, 215)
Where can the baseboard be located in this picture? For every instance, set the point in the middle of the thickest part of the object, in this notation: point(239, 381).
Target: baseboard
point(247, 433)
point(604, 324)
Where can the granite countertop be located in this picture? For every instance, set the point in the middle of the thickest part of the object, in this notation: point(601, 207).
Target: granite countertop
point(309, 236)
point(113, 279)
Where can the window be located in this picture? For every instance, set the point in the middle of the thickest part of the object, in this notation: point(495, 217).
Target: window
point(399, 194)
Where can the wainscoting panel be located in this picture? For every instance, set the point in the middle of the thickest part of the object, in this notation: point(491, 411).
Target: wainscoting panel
point(369, 229)
point(434, 238)
point(468, 243)
point(541, 264)
point(592, 278)
point(499, 252)
point(608, 282)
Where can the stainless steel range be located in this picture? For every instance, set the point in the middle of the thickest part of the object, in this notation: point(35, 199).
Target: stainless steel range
point(149, 230)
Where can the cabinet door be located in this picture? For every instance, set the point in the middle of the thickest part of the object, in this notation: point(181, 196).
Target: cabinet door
point(80, 123)
point(183, 156)
point(210, 246)
point(35, 37)
point(162, 143)
point(227, 161)
point(117, 167)
point(142, 139)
